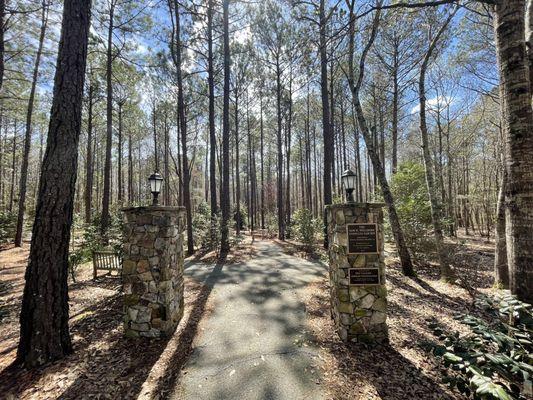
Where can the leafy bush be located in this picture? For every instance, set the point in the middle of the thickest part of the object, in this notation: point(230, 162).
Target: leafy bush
point(92, 240)
point(76, 258)
point(306, 228)
point(206, 228)
point(8, 224)
point(243, 216)
point(495, 360)
point(410, 193)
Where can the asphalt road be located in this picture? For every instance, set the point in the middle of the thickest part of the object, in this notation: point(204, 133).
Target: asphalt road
point(254, 344)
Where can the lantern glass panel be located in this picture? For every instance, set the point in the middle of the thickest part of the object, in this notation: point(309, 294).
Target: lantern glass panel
point(348, 180)
point(156, 182)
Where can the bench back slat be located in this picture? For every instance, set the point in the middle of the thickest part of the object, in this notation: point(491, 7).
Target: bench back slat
point(106, 260)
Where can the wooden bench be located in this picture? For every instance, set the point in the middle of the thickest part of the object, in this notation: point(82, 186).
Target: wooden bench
point(106, 260)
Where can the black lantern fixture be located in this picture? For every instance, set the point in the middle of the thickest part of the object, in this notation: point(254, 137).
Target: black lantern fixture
point(348, 182)
point(156, 181)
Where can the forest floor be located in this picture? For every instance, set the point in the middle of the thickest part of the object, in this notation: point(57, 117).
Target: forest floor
point(104, 365)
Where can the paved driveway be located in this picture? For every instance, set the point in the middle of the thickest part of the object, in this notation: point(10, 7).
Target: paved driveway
point(253, 345)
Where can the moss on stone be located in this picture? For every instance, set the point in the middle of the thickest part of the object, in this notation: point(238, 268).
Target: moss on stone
point(343, 295)
point(131, 299)
point(345, 307)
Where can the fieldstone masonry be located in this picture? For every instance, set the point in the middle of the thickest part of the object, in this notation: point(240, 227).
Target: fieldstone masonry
point(152, 270)
point(359, 312)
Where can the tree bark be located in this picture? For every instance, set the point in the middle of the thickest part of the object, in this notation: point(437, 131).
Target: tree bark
point(44, 332)
point(501, 270)
point(262, 161)
point(183, 131)
point(120, 178)
point(106, 198)
point(288, 140)
point(212, 133)
point(2, 40)
point(395, 101)
point(281, 214)
point(238, 219)
point(13, 166)
point(224, 201)
point(518, 128)
point(327, 134)
point(27, 136)
point(130, 169)
point(89, 168)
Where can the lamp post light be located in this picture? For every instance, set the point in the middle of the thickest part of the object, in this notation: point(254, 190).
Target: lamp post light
point(348, 182)
point(156, 181)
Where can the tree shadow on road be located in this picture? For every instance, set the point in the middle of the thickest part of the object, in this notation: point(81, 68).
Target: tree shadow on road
point(168, 379)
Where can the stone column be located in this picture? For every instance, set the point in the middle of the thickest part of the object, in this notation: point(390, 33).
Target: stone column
point(357, 275)
point(152, 270)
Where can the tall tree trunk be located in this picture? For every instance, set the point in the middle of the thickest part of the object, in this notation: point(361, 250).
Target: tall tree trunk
point(327, 133)
point(518, 129)
point(262, 161)
point(212, 133)
point(501, 269)
point(156, 144)
point(238, 219)
point(529, 41)
point(13, 166)
point(89, 168)
point(435, 203)
point(183, 131)
point(2, 147)
point(130, 169)
point(501, 266)
point(106, 198)
point(224, 197)
point(355, 86)
point(281, 214)
point(451, 208)
point(27, 136)
point(251, 167)
point(288, 139)
point(308, 149)
point(120, 178)
point(2, 40)
point(44, 332)
point(166, 166)
point(395, 101)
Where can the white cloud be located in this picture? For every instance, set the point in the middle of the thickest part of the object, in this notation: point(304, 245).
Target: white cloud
point(243, 35)
point(431, 103)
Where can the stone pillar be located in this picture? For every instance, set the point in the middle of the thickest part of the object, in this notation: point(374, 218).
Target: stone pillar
point(152, 270)
point(357, 272)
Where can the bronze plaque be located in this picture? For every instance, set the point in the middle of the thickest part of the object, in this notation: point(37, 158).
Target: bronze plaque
point(362, 238)
point(364, 276)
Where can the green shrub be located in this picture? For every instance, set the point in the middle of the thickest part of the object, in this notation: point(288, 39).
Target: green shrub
point(76, 258)
point(92, 240)
point(495, 360)
point(8, 224)
point(92, 236)
point(306, 228)
point(243, 216)
point(410, 193)
point(205, 227)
